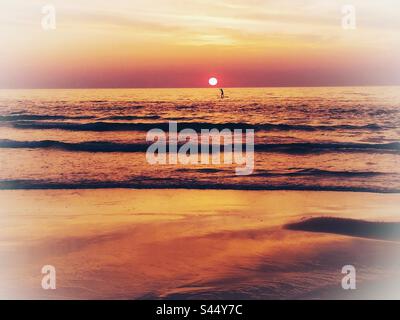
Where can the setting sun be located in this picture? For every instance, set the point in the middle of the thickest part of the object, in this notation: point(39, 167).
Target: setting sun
point(213, 81)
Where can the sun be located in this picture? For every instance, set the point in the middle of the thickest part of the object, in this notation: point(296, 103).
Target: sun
point(213, 81)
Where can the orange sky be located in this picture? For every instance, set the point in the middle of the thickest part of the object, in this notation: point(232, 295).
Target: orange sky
point(181, 43)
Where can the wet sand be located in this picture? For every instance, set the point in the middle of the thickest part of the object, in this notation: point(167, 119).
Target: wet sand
point(138, 244)
point(350, 227)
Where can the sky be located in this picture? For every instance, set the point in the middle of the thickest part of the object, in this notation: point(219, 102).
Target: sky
point(182, 43)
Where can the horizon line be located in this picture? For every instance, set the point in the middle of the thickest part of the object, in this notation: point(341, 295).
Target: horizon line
point(203, 87)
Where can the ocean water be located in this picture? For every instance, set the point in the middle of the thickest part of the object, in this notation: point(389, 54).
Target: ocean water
point(120, 243)
point(344, 139)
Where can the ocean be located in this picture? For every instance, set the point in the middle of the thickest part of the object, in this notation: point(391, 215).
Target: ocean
point(78, 195)
point(343, 139)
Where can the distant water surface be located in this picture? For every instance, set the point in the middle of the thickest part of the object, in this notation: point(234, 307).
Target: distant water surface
point(306, 138)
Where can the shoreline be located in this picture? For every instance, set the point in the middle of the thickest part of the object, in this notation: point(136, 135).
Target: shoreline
point(7, 186)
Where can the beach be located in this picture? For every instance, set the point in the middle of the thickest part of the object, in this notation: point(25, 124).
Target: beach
point(192, 244)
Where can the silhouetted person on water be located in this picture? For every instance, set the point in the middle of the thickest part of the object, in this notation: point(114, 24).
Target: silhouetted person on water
point(222, 93)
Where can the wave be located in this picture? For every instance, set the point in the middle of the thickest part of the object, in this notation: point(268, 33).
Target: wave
point(309, 147)
point(140, 126)
point(293, 173)
point(131, 117)
point(90, 146)
point(319, 173)
point(289, 148)
point(33, 117)
point(28, 117)
point(167, 183)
